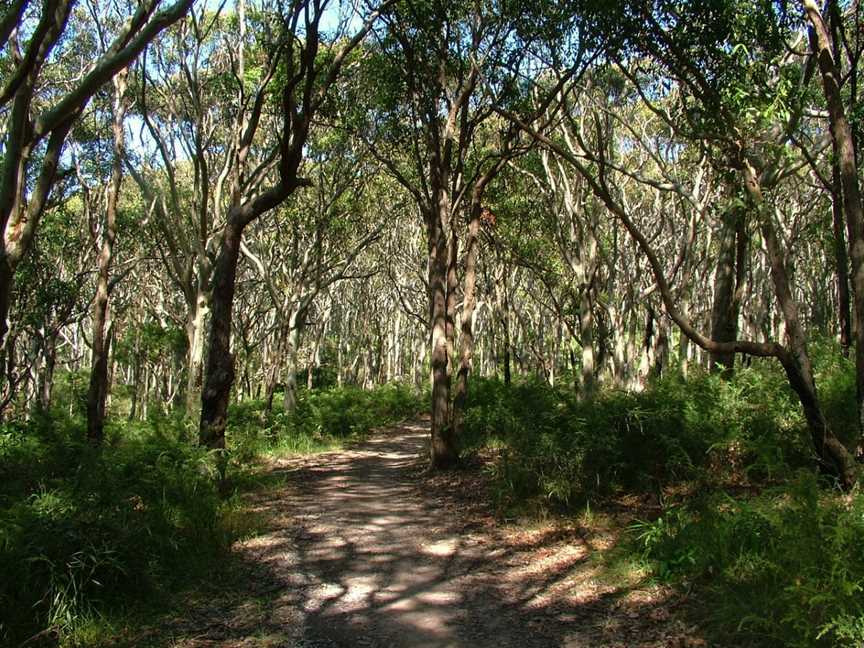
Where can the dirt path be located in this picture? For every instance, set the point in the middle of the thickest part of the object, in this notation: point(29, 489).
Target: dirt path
point(363, 551)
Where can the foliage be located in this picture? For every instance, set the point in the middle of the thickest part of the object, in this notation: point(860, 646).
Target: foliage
point(323, 419)
point(785, 568)
point(84, 530)
point(554, 447)
point(777, 562)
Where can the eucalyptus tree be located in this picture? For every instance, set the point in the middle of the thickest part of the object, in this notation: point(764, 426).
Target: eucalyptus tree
point(99, 184)
point(311, 245)
point(436, 72)
point(188, 88)
point(742, 104)
point(103, 228)
point(826, 52)
point(303, 63)
point(51, 296)
point(47, 88)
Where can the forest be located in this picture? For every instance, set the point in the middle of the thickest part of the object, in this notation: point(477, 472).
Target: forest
point(430, 323)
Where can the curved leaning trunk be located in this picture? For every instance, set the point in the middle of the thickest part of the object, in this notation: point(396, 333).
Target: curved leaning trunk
point(794, 360)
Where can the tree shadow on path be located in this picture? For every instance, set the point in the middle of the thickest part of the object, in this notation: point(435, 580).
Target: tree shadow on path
point(356, 555)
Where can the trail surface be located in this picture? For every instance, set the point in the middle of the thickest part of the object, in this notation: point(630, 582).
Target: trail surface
point(364, 550)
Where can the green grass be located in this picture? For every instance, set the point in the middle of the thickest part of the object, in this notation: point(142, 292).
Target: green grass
point(557, 449)
point(323, 420)
point(82, 529)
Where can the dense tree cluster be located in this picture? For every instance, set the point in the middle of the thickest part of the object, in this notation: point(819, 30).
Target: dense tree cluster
point(206, 201)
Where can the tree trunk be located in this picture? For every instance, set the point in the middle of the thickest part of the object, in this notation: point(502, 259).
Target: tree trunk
point(219, 367)
point(272, 374)
point(7, 275)
point(136, 383)
point(46, 378)
point(724, 314)
point(796, 362)
point(466, 350)
point(841, 259)
point(586, 338)
point(289, 396)
point(661, 350)
point(443, 448)
point(506, 343)
point(98, 390)
point(845, 156)
point(195, 322)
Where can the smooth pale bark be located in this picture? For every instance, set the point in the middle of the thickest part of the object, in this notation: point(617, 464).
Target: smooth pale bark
point(100, 343)
point(841, 260)
point(506, 359)
point(315, 357)
point(46, 376)
point(586, 339)
point(136, 381)
point(469, 298)
point(196, 317)
point(660, 356)
point(289, 396)
point(452, 288)
point(794, 360)
point(469, 303)
point(845, 158)
point(273, 371)
point(301, 96)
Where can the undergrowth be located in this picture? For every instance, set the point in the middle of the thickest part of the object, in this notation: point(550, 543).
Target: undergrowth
point(88, 536)
point(83, 531)
point(785, 568)
point(740, 512)
point(322, 420)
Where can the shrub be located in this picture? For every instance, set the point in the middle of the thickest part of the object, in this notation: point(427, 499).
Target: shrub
point(322, 419)
point(786, 568)
point(83, 529)
point(553, 446)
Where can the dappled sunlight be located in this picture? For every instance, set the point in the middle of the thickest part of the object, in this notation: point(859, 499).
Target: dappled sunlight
point(358, 556)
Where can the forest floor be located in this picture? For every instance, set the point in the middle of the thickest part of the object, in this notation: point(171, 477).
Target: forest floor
point(364, 548)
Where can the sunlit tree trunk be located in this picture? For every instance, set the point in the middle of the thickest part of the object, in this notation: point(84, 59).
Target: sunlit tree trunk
point(195, 337)
point(289, 396)
point(443, 451)
point(466, 350)
point(841, 260)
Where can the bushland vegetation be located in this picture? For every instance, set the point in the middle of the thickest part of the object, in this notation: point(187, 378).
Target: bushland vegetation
point(613, 249)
